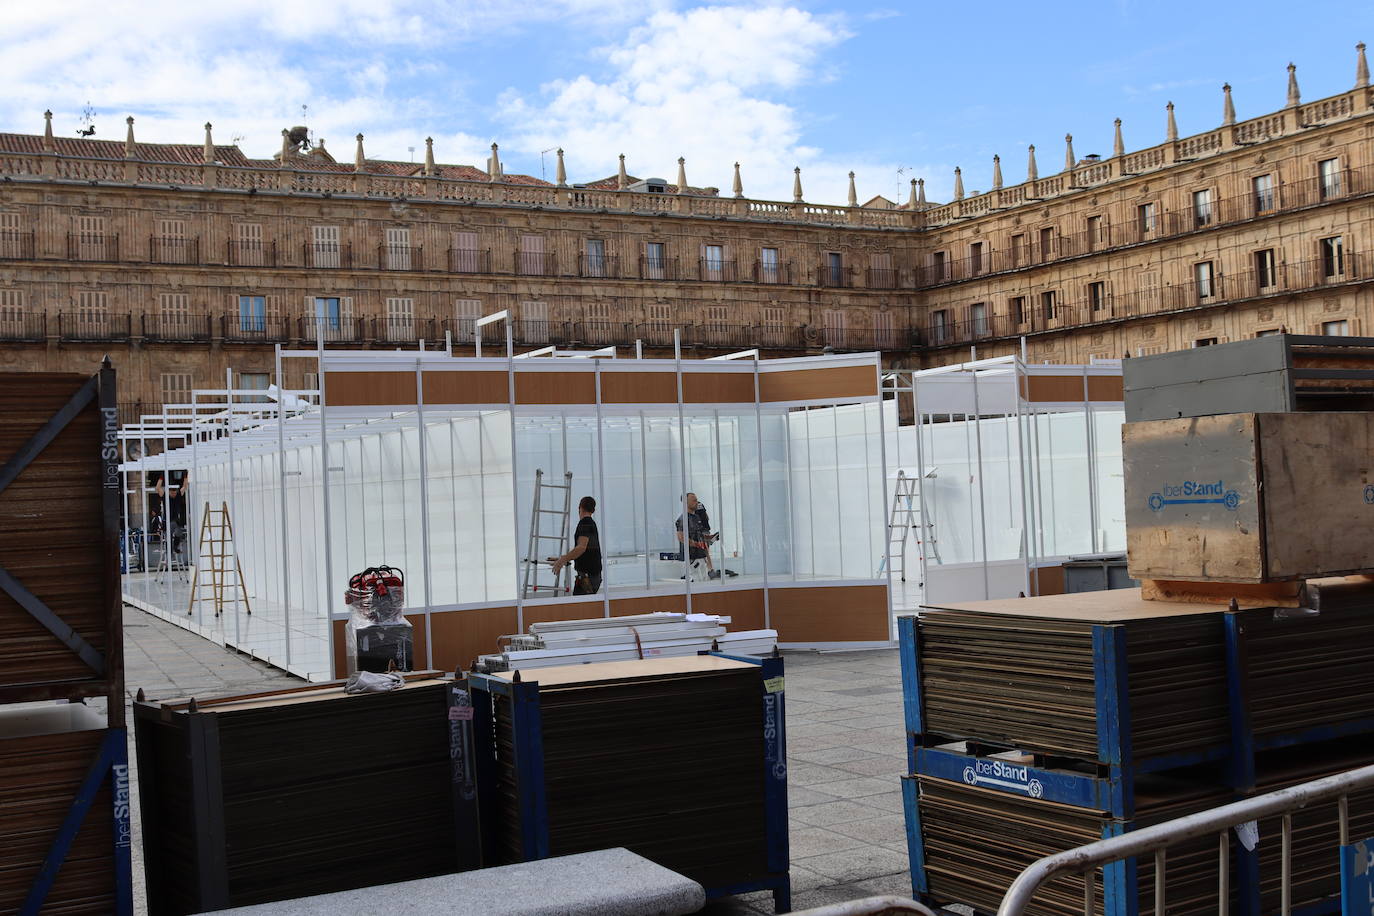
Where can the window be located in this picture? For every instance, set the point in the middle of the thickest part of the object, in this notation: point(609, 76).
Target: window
point(398, 252)
point(1263, 189)
point(9, 236)
point(1097, 296)
point(836, 328)
point(773, 334)
point(311, 381)
point(325, 247)
point(655, 260)
point(938, 266)
point(1333, 257)
point(939, 326)
point(1203, 277)
point(1017, 307)
point(253, 314)
point(1046, 243)
point(1329, 177)
point(884, 330)
point(1146, 218)
point(1265, 274)
point(880, 272)
point(400, 318)
point(92, 311)
point(1339, 328)
point(1018, 250)
point(330, 317)
point(465, 313)
point(176, 387)
point(12, 322)
point(534, 322)
point(712, 262)
point(247, 248)
point(464, 258)
point(1048, 305)
point(975, 258)
point(978, 319)
point(834, 268)
point(170, 245)
point(1268, 332)
point(90, 238)
point(1205, 342)
point(254, 381)
point(1094, 232)
point(768, 265)
point(531, 255)
point(174, 314)
point(1202, 207)
point(594, 258)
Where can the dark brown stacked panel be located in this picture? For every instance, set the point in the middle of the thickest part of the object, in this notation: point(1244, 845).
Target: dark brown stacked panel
point(254, 799)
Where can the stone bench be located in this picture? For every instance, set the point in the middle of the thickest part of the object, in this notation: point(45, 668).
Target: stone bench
point(612, 882)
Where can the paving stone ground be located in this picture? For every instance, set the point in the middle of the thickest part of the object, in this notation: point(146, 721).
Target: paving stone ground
point(844, 746)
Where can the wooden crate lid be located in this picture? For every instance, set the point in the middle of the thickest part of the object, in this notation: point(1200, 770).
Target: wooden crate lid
point(1112, 606)
point(603, 672)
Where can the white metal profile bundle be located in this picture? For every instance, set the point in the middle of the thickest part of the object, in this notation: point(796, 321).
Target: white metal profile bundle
point(607, 639)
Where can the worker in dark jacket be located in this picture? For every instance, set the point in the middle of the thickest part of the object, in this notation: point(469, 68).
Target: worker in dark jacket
point(699, 537)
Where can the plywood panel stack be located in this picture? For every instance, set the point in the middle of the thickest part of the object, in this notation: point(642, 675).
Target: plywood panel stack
point(64, 793)
point(681, 760)
point(281, 795)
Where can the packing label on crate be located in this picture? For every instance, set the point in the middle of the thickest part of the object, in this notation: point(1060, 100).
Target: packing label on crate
point(773, 684)
point(1357, 879)
point(1001, 774)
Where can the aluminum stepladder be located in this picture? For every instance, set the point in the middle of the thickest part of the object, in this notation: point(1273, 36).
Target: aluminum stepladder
point(906, 515)
point(217, 546)
point(537, 556)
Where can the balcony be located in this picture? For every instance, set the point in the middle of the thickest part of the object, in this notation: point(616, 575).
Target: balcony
point(716, 270)
point(469, 261)
point(882, 278)
point(962, 327)
point(598, 265)
point(251, 253)
point(339, 329)
point(401, 329)
point(88, 246)
point(173, 250)
point(240, 328)
point(401, 257)
point(658, 269)
point(16, 245)
point(833, 276)
point(176, 327)
point(779, 272)
point(603, 332)
point(94, 324)
point(19, 325)
point(334, 255)
point(535, 264)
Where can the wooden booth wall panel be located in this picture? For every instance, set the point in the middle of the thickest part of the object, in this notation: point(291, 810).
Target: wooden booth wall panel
point(626, 607)
point(744, 607)
point(555, 388)
point(841, 613)
point(717, 388)
point(639, 388)
point(1048, 580)
point(483, 387)
point(52, 534)
point(366, 389)
point(1061, 388)
point(461, 636)
point(838, 383)
point(563, 610)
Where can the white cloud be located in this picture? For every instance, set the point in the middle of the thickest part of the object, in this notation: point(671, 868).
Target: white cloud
point(713, 85)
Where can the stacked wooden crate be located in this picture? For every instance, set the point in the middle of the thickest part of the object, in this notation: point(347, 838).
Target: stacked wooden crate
point(64, 788)
point(681, 760)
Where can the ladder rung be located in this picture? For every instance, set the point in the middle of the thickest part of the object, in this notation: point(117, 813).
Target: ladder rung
point(553, 511)
point(555, 486)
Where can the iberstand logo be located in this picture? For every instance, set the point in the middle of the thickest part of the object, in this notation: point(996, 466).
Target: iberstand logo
point(1003, 776)
point(1194, 492)
point(1369, 494)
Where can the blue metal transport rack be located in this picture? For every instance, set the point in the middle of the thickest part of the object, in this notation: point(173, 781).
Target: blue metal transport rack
point(526, 746)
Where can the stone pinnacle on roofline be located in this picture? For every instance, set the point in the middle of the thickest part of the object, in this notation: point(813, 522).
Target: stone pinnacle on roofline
point(996, 172)
point(1294, 96)
point(921, 191)
point(359, 159)
point(738, 186)
point(1118, 144)
point(796, 185)
point(958, 183)
point(1171, 129)
point(429, 156)
point(494, 163)
point(129, 138)
point(681, 175)
point(1361, 68)
point(853, 194)
point(209, 152)
point(622, 180)
point(1069, 160)
point(1228, 107)
point(48, 145)
point(1032, 173)
point(561, 174)
point(285, 147)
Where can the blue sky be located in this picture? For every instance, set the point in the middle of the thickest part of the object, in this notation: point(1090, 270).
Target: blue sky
point(888, 90)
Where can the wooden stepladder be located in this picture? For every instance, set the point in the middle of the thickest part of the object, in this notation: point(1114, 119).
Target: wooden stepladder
point(217, 550)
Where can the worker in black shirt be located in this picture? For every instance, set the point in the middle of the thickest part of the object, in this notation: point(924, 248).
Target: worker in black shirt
point(699, 537)
point(585, 554)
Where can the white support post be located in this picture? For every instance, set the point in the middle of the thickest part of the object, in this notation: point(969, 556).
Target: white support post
point(644, 493)
point(424, 511)
point(982, 485)
point(1091, 456)
point(763, 495)
point(514, 477)
point(923, 541)
point(682, 468)
point(324, 499)
point(1024, 477)
point(281, 505)
point(882, 479)
point(233, 502)
point(601, 492)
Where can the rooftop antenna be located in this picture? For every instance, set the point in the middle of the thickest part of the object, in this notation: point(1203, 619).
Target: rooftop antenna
point(87, 121)
point(412, 153)
point(543, 176)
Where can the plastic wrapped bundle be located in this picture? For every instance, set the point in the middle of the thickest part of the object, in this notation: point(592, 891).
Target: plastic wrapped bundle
point(379, 638)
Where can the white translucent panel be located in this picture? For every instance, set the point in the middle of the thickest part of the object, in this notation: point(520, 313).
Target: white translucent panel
point(779, 536)
point(1111, 481)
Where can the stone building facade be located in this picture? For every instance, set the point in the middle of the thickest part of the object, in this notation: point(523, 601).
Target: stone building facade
point(185, 262)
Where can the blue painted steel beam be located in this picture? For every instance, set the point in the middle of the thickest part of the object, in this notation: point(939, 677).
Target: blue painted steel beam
point(1111, 674)
point(528, 740)
point(915, 842)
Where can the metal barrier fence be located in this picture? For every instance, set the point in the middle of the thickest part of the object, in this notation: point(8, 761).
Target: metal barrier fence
point(1158, 838)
